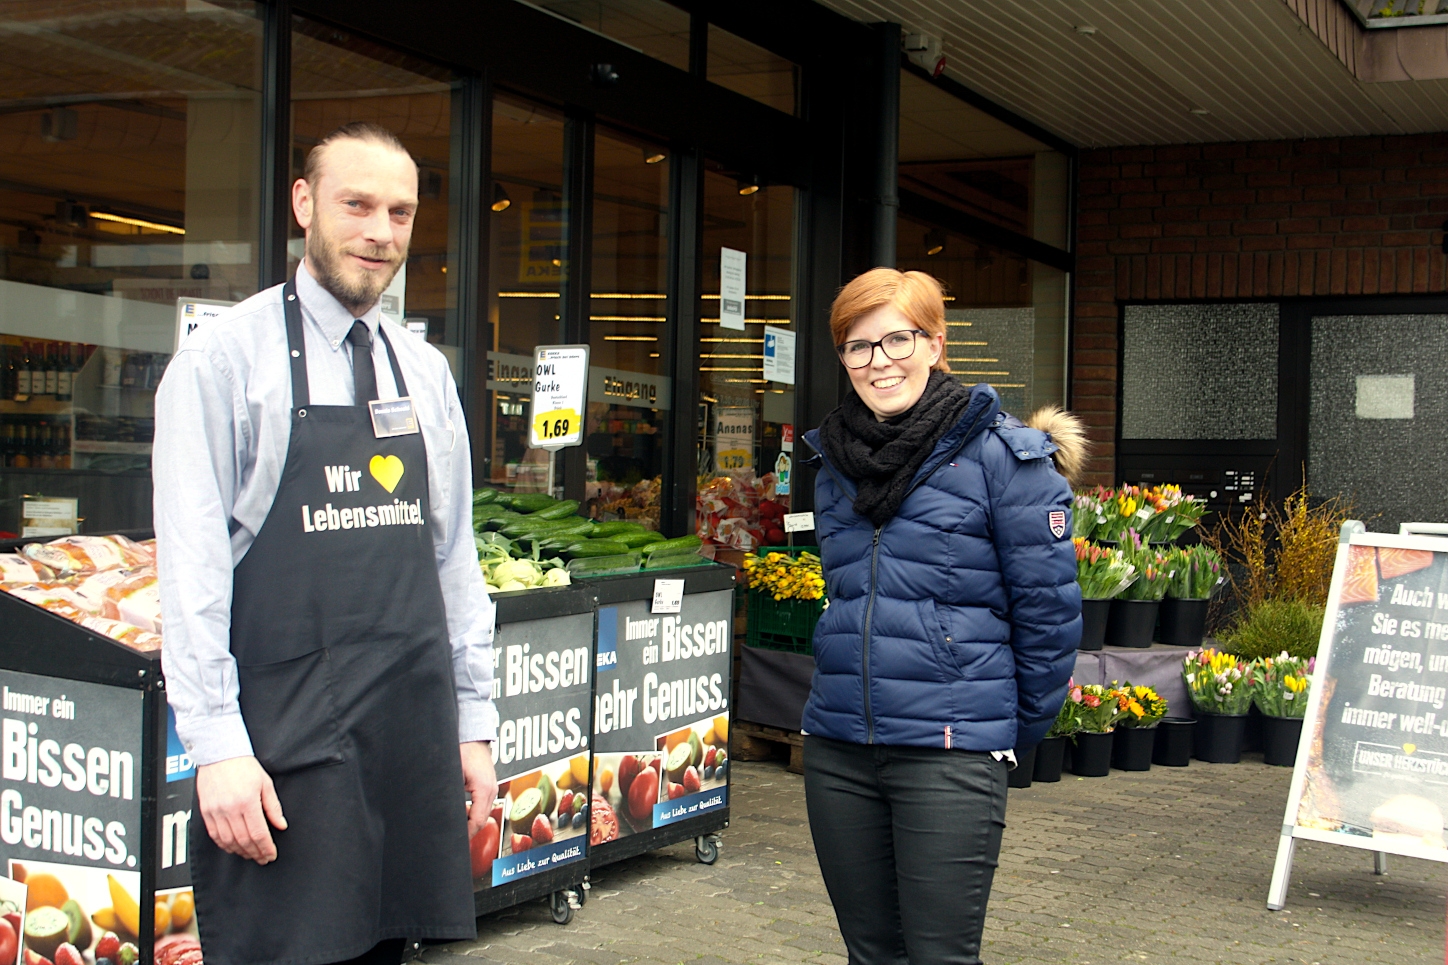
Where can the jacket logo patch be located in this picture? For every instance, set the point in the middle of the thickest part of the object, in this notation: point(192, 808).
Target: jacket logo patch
point(1057, 519)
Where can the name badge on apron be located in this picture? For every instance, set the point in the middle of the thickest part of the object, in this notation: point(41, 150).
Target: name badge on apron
point(393, 417)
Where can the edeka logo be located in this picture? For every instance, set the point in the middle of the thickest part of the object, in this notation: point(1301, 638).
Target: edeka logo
point(607, 639)
point(330, 517)
point(387, 470)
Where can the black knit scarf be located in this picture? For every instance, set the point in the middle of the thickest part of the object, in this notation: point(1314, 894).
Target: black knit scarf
point(883, 457)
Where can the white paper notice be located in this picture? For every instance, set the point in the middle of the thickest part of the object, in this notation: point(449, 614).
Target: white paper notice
point(668, 596)
point(192, 313)
point(798, 522)
point(732, 265)
point(778, 354)
point(560, 394)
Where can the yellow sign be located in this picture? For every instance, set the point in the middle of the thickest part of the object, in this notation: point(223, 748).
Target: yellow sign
point(733, 459)
point(556, 424)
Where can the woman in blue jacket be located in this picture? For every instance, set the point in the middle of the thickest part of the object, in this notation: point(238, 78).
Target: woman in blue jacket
point(954, 615)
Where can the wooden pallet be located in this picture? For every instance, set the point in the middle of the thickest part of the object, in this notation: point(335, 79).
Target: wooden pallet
point(756, 742)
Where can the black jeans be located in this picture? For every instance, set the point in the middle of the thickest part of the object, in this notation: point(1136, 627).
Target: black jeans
point(907, 839)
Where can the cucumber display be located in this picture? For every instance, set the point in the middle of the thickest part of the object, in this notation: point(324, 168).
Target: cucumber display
point(532, 502)
point(668, 561)
point(484, 496)
point(690, 542)
point(595, 547)
point(558, 510)
point(615, 527)
point(636, 540)
point(604, 565)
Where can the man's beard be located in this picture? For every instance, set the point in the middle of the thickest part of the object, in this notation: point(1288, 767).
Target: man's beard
point(327, 261)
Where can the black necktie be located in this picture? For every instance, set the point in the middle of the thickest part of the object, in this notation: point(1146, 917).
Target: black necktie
point(364, 378)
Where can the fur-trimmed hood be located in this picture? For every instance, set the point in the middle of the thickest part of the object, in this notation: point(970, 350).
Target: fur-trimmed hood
point(1069, 434)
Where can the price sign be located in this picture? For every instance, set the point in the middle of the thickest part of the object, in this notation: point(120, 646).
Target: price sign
point(560, 393)
point(733, 439)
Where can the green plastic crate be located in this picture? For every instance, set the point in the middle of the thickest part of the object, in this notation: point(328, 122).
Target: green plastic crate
point(786, 625)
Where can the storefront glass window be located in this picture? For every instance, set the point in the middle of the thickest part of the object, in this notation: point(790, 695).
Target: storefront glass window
point(528, 234)
point(338, 78)
point(654, 27)
point(745, 419)
point(749, 69)
point(129, 178)
point(629, 395)
point(1005, 314)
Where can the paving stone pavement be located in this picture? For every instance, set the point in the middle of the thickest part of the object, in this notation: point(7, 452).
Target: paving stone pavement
point(1166, 866)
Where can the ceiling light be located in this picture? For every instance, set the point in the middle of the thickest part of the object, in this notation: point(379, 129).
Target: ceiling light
point(653, 157)
point(1200, 111)
point(501, 201)
point(640, 338)
point(137, 222)
point(1086, 31)
point(746, 188)
point(557, 263)
point(934, 241)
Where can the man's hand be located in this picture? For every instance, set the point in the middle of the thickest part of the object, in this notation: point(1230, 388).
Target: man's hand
point(479, 781)
point(237, 800)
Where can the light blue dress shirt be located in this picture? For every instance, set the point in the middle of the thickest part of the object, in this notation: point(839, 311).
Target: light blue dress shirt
point(223, 422)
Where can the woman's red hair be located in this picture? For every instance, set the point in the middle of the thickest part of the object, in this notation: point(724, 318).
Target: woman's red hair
point(914, 294)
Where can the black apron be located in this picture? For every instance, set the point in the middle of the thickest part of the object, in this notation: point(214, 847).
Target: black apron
point(347, 690)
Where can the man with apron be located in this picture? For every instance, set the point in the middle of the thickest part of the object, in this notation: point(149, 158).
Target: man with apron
point(328, 635)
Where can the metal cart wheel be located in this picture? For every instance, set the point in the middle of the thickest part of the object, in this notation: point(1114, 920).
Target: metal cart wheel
point(706, 848)
point(581, 893)
point(560, 907)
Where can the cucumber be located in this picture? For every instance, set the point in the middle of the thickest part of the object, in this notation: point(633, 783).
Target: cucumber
point(594, 547)
point(558, 510)
point(488, 510)
point(482, 496)
point(532, 502)
point(500, 520)
point(604, 565)
point(671, 545)
point(666, 561)
point(615, 527)
point(529, 525)
point(636, 540)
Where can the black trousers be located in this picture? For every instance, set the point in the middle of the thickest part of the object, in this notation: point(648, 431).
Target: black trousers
point(907, 839)
point(387, 952)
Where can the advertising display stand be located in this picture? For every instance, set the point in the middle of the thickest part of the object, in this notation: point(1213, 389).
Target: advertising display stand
point(535, 842)
point(82, 757)
point(661, 711)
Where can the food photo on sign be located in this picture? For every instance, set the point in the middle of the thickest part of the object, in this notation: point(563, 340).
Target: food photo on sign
point(532, 821)
point(1377, 762)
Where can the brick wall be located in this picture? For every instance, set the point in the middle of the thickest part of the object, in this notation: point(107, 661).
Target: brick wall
point(1335, 216)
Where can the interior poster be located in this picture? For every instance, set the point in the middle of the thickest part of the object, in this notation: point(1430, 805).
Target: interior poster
point(541, 687)
point(661, 714)
point(1372, 769)
point(70, 809)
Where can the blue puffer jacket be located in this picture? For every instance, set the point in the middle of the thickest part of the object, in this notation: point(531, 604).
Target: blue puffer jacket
point(956, 623)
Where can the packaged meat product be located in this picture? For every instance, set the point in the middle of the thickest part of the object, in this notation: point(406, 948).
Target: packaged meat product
point(136, 599)
point(70, 555)
point(15, 568)
point(129, 634)
point(52, 596)
point(93, 587)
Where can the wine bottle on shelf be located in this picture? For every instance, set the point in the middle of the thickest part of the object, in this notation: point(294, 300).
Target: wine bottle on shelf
point(62, 446)
point(52, 370)
point(22, 373)
point(65, 377)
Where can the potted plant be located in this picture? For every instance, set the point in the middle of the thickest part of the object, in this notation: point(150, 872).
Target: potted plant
point(1280, 687)
point(1133, 612)
point(1097, 712)
point(1102, 573)
point(1141, 709)
point(1196, 572)
point(1051, 752)
point(1220, 695)
point(1173, 513)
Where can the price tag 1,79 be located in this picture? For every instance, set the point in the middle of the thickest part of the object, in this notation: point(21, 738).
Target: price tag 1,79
point(560, 394)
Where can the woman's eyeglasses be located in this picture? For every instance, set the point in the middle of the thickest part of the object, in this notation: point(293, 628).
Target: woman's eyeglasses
point(897, 345)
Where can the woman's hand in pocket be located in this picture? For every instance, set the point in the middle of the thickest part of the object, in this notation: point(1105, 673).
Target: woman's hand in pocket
point(237, 800)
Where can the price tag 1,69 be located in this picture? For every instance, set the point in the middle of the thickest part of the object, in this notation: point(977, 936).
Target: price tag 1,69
point(560, 392)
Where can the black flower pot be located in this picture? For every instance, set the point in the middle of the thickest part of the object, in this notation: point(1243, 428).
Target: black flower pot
point(1183, 622)
point(1025, 765)
point(1091, 757)
point(1218, 738)
point(1279, 740)
point(1047, 769)
point(1093, 623)
point(1173, 741)
point(1132, 622)
point(1132, 749)
point(1252, 733)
